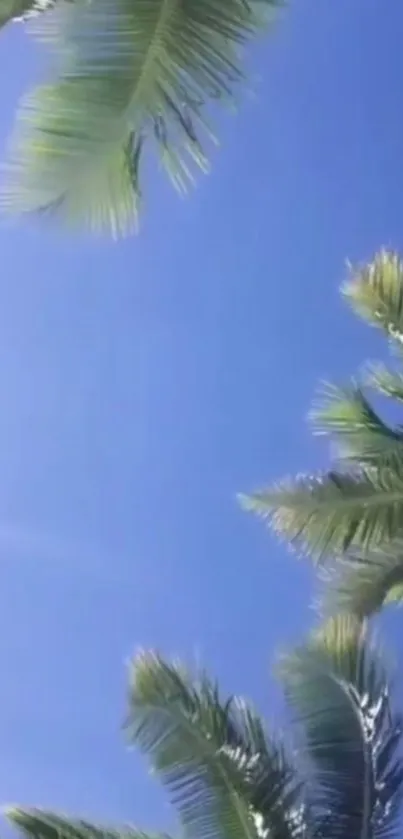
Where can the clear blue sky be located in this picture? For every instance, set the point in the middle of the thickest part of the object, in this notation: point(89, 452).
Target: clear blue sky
point(144, 383)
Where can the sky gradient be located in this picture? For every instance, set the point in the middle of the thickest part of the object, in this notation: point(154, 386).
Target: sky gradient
point(145, 383)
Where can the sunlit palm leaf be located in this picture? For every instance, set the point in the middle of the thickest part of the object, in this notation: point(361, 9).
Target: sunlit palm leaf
point(130, 71)
point(349, 737)
point(335, 511)
point(225, 777)
point(375, 292)
point(361, 434)
point(43, 824)
point(361, 584)
point(386, 382)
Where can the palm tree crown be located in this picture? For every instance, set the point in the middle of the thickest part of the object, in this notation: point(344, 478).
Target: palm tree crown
point(228, 778)
point(349, 518)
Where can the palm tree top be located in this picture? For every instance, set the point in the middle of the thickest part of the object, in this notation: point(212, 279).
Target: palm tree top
point(349, 517)
point(229, 778)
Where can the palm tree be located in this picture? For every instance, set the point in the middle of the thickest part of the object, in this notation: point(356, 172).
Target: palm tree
point(229, 779)
point(349, 518)
point(131, 75)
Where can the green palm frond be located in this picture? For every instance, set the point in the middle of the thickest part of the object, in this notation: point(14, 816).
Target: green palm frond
point(361, 435)
point(361, 584)
point(131, 74)
point(375, 292)
point(224, 775)
point(386, 382)
point(35, 823)
point(329, 513)
point(13, 10)
point(349, 738)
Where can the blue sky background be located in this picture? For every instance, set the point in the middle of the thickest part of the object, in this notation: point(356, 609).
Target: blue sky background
point(143, 384)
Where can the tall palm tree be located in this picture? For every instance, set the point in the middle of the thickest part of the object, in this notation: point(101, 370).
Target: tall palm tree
point(229, 779)
point(349, 518)
point(131, 76)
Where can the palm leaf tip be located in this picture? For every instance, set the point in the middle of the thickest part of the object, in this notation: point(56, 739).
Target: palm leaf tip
point(36, 823)
point(42, 824)
point(146, 69)
point(106, 193)
point(14, 813)
point(250, 502)
point(375, 292)
point(385, 382)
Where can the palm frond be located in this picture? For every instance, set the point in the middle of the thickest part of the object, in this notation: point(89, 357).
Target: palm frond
point(225, 776)
point(361, 584)
point(375, 292)
point(386, 382)
point(361, 435)
point(131, 73)
point(12, 10)
point(23, 10)
point(35, 823)
point(350, 739)
point(329, 513)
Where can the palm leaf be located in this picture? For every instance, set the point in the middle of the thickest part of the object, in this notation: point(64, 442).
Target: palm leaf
point(15, 10)
point(43, 824)
point(375, 292)
point(225, 776)
point(334, 511)
point(386, 382)
point(338, 693)
point(362, 584)
point(361, 435)
point(131, 73)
